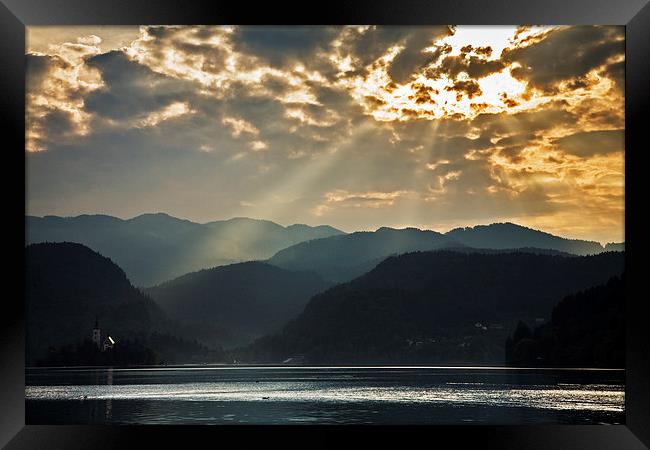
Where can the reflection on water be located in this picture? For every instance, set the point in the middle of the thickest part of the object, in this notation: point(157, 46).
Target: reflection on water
point(323, 395)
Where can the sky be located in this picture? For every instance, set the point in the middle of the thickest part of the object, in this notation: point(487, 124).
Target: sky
point(357, 127)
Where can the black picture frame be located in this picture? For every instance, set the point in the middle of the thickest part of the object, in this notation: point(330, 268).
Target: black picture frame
point(634, 14)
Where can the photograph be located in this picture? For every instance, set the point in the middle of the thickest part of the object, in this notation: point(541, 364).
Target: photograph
point(325, 224)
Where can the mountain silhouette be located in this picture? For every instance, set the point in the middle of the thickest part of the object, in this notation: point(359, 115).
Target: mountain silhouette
point(341, 258)
point(615, 247)
point(344, 257)
point(432, 307)
point(68, 286)
point(509, 235)
point(245, 300)
point(153, 248)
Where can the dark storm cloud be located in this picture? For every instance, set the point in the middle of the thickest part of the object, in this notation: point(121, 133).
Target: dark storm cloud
point(278, 45)
point(373, 43)
point(370, 45)
point(592, 143)
point(214, 58)
point(616, 72)
point(411, 59)
point(259, 110)
point(566, 54)
point(37, 68)
point(276, 85)
point(131, 89)
point(57, 123)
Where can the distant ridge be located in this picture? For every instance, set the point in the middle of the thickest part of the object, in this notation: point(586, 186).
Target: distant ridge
point(341, 258)
point(615, 247)
point(510, 235)
point(155, 247)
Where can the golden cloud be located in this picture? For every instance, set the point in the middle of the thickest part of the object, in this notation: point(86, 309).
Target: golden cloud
point(344, 199)
point(471, 112)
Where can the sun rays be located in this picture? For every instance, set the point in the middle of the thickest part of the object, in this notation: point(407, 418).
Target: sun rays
point(359, 127)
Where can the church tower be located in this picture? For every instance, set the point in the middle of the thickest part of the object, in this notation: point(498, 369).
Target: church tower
point(97, 335)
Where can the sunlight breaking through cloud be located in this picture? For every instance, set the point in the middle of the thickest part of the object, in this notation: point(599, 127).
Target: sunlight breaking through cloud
point(468, 124)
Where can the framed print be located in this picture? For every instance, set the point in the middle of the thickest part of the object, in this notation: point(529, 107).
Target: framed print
point(381, 216)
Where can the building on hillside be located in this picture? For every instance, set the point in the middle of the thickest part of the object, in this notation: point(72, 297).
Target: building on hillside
point(108, 343)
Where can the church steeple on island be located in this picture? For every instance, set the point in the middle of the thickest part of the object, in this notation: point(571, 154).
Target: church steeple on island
point(97, 334)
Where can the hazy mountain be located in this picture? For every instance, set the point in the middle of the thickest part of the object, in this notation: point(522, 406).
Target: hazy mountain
point(615, 247)
point(153, 248)
point(343, 257)
point(427, 307)
point(510, 235)
point(68, 286)
point(246, 300)
point(587, 329)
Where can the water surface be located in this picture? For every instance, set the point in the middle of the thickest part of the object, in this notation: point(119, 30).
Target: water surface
point(287, 395)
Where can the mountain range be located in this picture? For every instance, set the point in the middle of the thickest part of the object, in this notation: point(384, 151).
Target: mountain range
point(509, 235)
point(344, 257)
point(391, 295)
point(153, 248)
point(438, 306)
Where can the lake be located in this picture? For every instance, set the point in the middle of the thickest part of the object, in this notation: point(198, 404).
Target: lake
point(323, 395)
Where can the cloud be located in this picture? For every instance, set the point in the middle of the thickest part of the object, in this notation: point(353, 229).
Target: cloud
point(474, 66)
point(358, 127)
point(239, 126)
point(616, 72)
point(259, 145)
point(280, 46)
point(469, 88)
point(38, 67)
point(56, 89)
point(566, 54)
point(363, 46)
point(586, 144)
point(546, 117)
point(342, 199)
point(41, 39)
point(413, 58)
point(131, 89)
point(171, 111)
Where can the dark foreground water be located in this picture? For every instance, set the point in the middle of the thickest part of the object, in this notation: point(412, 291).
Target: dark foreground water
point(318, 395)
